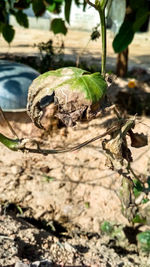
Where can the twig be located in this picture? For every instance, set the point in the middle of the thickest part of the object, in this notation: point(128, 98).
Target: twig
point(39, 150)
point(90, 3)
point(134, 174)
point(8, 124)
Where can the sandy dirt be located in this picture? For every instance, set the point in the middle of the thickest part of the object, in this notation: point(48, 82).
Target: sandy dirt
point(77, 43)
point(52, 206)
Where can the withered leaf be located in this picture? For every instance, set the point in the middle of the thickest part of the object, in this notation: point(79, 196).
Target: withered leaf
point(116, 148)
point(138, 140)
point(74, 93)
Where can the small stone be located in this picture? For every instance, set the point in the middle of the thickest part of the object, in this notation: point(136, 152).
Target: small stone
point(43, 263)
point(16, 169)
point(3, 174)
point(69, 248)
point(45, 169)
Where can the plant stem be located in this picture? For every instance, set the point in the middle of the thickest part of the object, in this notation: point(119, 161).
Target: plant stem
point(100, 6)
point(9, 143)
point(20, 144)
point(103, 36)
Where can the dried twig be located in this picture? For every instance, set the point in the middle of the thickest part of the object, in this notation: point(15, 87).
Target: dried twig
point(90, 3)
point(22, 145)
point(8, 124)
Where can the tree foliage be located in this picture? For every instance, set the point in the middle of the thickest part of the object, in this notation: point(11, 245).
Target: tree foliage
point(17, 7)
point(137, 12)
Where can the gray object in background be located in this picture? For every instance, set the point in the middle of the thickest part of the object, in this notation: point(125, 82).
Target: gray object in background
point(15, 79)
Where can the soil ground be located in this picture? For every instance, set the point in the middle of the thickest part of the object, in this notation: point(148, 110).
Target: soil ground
point(76, 44)
point(52, 206)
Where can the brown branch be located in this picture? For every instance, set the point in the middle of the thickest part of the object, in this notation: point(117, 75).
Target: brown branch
point(90, 3)
point(8, 124)
point(22, 147)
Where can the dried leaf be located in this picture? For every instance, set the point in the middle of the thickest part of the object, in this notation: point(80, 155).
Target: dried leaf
point(113, 149)
point(138, 140)
point(116, 148)
point(74, 93)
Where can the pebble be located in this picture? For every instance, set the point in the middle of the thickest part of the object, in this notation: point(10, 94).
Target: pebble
point(69, 248)
point(16, 169)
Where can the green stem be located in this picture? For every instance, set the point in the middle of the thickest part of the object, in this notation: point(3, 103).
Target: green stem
point(103, 36)
point(100, 6)
point(9, 143)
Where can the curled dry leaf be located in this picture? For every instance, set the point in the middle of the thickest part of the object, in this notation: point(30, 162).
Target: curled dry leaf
point(113, 149)
point(116, 149)
point(73, 93)
point(138, 140)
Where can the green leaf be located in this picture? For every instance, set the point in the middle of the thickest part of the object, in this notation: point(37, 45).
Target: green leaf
point(51, 8)
point(19, 209)
point(68, 10)
point(54, 6)
point(107, 227)
point(87, 205)
point(138, 4)
point(22, 19)
point(49, 178)
point(21, 4)
point(144, 200)
point(124, 37)
point(92, 85)
point(118, 233)
point(74, 90)
point(148, 182)
point(58, 26)
point(138, 188)
point(38, 7)
point(138, 219)
point(141, 16)
point(144, 241)
point(8, 32)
